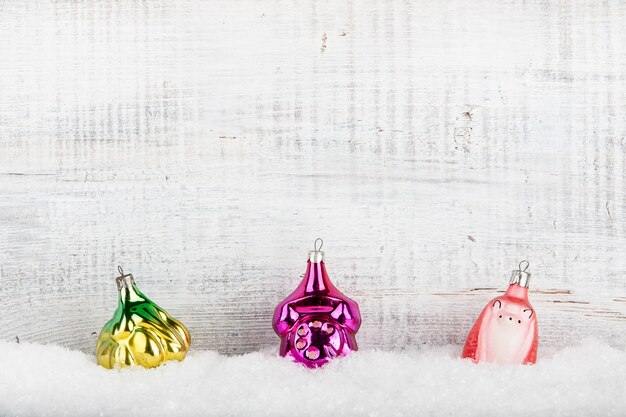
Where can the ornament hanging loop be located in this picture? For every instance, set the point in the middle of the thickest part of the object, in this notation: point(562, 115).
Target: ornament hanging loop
point(316, 255)
point(520, 276)
point(524, 262)
point(124, 280)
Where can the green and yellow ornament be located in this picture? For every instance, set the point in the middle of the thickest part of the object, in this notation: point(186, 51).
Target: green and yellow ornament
point(140, 332)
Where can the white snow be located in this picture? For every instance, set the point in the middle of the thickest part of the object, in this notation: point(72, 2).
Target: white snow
point(586, 380)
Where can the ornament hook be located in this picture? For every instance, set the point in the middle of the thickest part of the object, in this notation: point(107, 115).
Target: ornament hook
point(521, 276)
point(315, 244)
point(522, 263)
point(124, 280)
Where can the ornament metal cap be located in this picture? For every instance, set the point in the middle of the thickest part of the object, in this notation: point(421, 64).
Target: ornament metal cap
point(124, 280)
point(316, 256)
point(520, 276)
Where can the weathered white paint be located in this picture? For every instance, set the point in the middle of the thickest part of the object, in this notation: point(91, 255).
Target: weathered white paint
point(203, 146)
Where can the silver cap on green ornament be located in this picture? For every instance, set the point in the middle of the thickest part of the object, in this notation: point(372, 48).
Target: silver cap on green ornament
point(124, 280)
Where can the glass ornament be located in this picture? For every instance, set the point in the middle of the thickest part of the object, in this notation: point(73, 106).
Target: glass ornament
point(316, 322)
point(506, 330)
point(140, 333)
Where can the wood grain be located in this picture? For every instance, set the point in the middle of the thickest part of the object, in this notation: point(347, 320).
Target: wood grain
point(203, 146)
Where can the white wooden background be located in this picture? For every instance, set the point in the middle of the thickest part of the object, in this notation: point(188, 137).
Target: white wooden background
point(204, 145)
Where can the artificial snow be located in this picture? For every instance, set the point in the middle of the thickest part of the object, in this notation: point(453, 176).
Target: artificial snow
point(586, 380)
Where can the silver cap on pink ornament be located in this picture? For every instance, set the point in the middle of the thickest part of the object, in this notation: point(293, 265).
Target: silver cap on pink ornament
point(520, 276)
point(316, 256)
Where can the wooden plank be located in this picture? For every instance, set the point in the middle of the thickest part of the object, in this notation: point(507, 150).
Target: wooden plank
point(205, 145)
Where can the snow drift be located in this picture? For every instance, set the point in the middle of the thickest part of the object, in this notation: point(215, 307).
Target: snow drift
point(586, 380)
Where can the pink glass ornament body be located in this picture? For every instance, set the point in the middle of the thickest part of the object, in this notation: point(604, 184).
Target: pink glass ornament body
point(506, 330)
point(316, 322)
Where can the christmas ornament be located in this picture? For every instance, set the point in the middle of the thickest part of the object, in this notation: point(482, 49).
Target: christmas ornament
point(316, 322)
point(506, 330)
point(140, 332)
